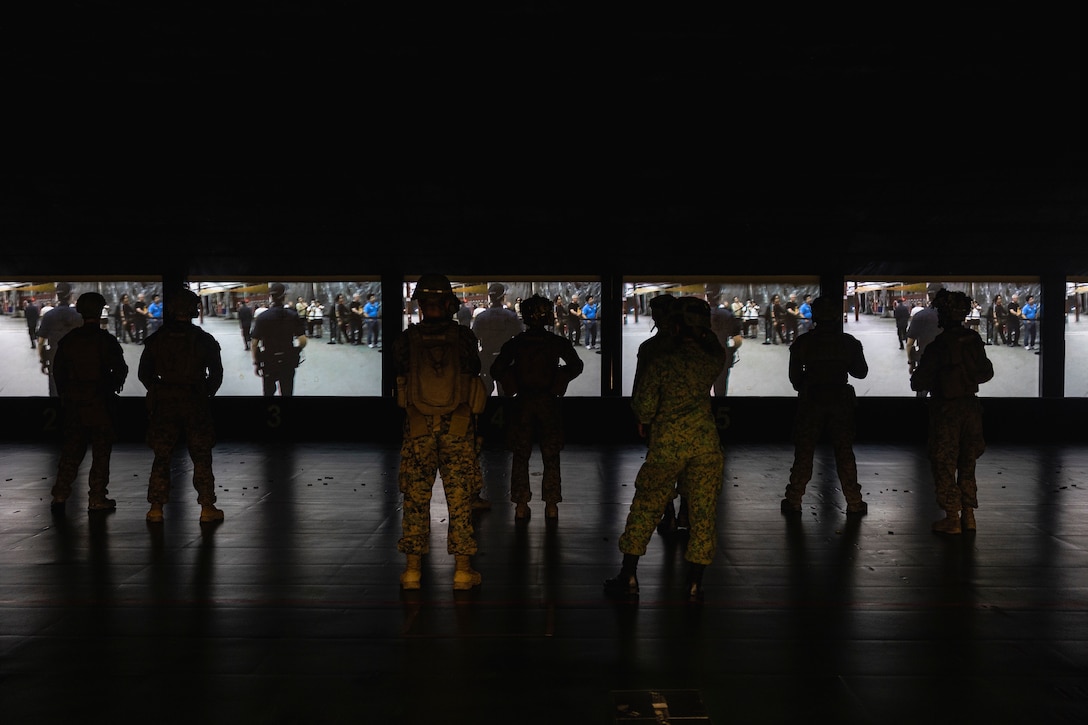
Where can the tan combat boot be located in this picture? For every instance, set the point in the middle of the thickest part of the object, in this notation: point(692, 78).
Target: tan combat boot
point(209, 514)
point(950, 524)
point(413, 572)
point(967, 520)
point(464, 576)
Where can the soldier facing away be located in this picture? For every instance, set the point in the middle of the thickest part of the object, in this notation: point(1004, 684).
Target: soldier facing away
point(673, 407)
point(528, 369)
point(951, 369)
point(438, 384)
point(89, 370)
point(182, 368)
point(821, 362)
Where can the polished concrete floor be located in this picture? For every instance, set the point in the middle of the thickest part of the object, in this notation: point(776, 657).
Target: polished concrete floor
point(290, 610)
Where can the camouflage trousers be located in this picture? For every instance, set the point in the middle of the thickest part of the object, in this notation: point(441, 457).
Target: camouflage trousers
point(700, 478)
point(171, 418)
point(453, 458)
point(83, 425)
point(955, 442)
point(836, 416)
point(535, 418)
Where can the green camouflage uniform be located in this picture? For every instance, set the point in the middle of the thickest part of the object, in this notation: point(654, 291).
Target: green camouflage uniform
point(89, 368)
point(951, 369)
point(451, 454)
point(536, 407)
point(673, 397)
point(820, 361)
point(181, 367)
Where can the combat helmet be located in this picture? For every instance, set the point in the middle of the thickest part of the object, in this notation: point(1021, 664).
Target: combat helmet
point(660, 306)
point(952, 305)
point(537, 311)
point(826, 309)
point(691, 312)
point(89, 305)
point(436, 287)
point(182, 304)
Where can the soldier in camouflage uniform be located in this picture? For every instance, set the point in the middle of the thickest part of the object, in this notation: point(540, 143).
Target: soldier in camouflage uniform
point(443, 444)
point(820, 362)
point(182, 369)
point(528, 369)
point(951, 369)
point(89, 370)
point(662, 342)
point(672, 404)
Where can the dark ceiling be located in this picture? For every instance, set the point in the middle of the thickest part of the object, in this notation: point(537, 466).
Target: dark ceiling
point(284, 117)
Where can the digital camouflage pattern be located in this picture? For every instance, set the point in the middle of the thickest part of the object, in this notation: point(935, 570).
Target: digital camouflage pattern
point(955, 443)
point(673, 398)
point(454, 458)
point(443, 445)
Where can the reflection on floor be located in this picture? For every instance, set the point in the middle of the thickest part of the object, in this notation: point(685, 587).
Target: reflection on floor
point(290, 610)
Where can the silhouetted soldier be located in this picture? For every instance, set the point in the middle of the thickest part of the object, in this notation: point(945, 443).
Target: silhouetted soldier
point(951, 369)
point(438, 366)
point(528, 369)
point(182, 368)
point(55, 324)
point(493, 327)
point(89, 369)
point(275, 354)
point(821, 362)
point(672, 403)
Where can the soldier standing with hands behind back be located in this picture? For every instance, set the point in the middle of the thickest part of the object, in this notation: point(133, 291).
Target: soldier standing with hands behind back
point(182, 368)
point(821, 363)
point(528, 369)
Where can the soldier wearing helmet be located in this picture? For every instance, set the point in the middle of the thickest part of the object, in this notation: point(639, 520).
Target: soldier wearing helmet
point(951, 369)
point(493, 327)
point(528, 369)
point(821, 363)
point(438, 362)
point(89, 370)
point(673, 407)
point(278, 337)
point(663, 341)
point(181, 367)
point(55, 324)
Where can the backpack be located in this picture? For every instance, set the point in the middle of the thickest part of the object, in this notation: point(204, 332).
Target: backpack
point(436, 383)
